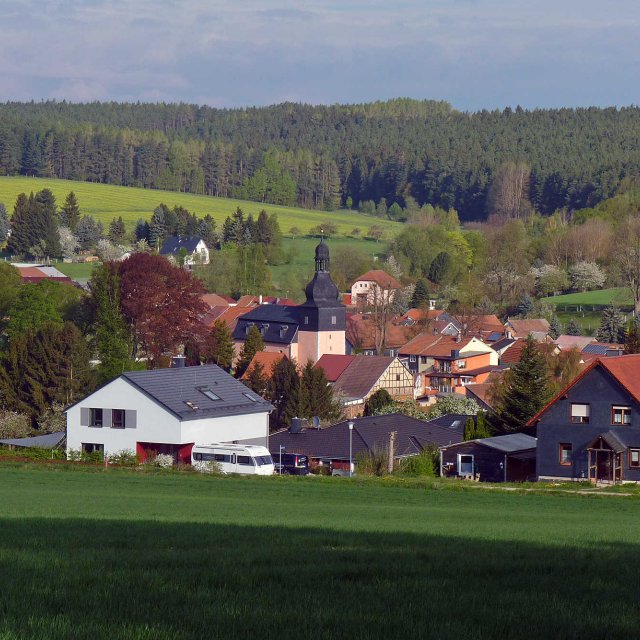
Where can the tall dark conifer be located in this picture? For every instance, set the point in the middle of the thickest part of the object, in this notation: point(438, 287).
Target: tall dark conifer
point(284, 393)
point(70, 212)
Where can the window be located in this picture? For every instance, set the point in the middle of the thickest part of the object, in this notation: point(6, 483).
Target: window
point(306, 319)
point(251, 397)
point(397, 377)
point(207, 392)
point(579, 413)
point(465, 464)
point(620, 415)
point(634, 458)
point(92, 447)
point(117, 418)
point(412, 358)
point(461, 364)
point(246, 461)
point(334, 320)
point(564, 454)
point(95, 417)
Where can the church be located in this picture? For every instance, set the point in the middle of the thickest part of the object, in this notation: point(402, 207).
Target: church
point(307, 331)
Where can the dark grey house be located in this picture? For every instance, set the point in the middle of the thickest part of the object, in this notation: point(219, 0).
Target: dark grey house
point(508, 458)
point(591, 429)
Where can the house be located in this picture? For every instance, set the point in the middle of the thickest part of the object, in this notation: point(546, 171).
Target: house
point(363, 335)
point(372, 287)
point(192, 248)
point(357, 378)
point(38, 272)
point(591, 429)
point(304, 332)
point(595, 350)
point(265, 359)
point(330, 446)
point(167, 411)
point(565, 342)
point(508, 458)
point(216, 300)
point(522, 328)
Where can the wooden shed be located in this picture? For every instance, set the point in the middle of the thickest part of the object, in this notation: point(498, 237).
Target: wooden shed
point(508, 458)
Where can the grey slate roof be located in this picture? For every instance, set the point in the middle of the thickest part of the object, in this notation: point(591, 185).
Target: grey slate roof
point(277, 323)
point(173, 388)
point(510, 443)
point(621, 438)
point(369, 433)
point(173, 244)
point(47, 441)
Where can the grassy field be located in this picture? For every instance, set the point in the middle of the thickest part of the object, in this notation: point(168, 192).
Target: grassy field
point(619, 296)
point(116, 554)
point(104, 202)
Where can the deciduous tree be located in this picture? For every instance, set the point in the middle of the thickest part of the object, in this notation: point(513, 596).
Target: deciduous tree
point(252, 344)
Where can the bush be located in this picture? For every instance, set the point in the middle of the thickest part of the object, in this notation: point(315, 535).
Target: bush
point(163, 460)
point(14, 425)
point(426, 464)
point(373, 464)
point(33, 453)
point(320, 470)
point(76, 455)
point(124, 458)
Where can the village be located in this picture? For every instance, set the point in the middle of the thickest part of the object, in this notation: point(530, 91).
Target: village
point(396, 385)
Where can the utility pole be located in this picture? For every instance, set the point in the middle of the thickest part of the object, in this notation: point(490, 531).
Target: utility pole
point(392, 442)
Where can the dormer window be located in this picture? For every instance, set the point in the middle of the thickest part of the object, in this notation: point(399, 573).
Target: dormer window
point(283, 330)
point(263, 329)
point(247, 328)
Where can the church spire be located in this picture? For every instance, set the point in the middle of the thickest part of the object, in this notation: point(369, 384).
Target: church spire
point(322, 256)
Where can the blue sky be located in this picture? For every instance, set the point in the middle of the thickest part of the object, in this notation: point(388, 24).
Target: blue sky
point(473, 53)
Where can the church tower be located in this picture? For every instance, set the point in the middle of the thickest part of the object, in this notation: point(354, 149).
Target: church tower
point(321, 319)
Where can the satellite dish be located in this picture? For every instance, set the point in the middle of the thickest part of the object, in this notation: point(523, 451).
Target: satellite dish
point(316, 422)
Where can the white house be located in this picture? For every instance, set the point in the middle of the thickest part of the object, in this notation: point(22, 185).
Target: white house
point(195, 250)
point(168, 411)
point(374, 287)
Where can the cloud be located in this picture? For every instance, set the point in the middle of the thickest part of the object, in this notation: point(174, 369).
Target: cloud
point(474, 53)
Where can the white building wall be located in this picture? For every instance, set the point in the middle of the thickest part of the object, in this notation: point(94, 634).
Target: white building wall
point(249, 429)
point(153, 423)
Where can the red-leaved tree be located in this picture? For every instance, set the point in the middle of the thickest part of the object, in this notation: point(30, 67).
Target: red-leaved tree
point(161, 303)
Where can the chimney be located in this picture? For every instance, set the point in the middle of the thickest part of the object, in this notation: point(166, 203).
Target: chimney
point(296, 425)
point(177, 362)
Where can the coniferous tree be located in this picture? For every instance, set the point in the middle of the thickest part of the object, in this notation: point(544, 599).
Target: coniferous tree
point(420, 297)
point(611, 326)
point(158, 227)
point(22, 234)
point(4, 223)
point(46, 215)
point(207, 231)
point(555, 328)
point(88, 232)
point(440, 267)
point(470, 429)
point(525, 305)
point(117, 230)
point(252, 344)
point(284, 393)
point(50, 364)
point(482, 427)
point(316, 395)
point(526, 390)
point(113, 342)
point(219, 346)
point(256, 379)
point(70, 212)
point(573, 329)
point(632, 337)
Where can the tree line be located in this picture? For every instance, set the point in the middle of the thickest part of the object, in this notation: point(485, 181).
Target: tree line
point(342, 155)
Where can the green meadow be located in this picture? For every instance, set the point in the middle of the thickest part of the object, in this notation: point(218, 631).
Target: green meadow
point(88, 553)
point(104, 202)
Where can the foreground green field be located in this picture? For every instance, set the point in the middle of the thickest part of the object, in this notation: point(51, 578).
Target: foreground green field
point(104, 202)
point(117, 554)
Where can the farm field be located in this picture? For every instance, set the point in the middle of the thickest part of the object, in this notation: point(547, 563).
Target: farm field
point(104, 202)
point(87, 553)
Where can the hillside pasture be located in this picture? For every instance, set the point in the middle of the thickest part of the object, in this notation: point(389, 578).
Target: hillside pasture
point(619, 296)
point(115, 554)
point(105, 202)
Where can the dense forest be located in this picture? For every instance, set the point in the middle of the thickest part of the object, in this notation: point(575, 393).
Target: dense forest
point(402, 151)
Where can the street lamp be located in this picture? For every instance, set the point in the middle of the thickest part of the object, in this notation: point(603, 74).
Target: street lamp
point(281, 447)
point(350, 425)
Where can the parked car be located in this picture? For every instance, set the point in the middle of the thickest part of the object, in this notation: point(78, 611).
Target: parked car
point(233, 458)
point(294, 464)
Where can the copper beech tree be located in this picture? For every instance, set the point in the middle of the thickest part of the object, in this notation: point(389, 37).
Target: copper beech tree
point(161, 303)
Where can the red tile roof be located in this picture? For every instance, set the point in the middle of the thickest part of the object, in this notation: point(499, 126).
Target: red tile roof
point(416, 315)
point(522, 328)
point(334, 365)
point(267, 359)
point(361, 334)
point(361, 375)
point(381, 278)
point(426, 344)
point(215, 300)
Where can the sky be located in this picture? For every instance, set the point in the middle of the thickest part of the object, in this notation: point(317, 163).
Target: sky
point(474, 54)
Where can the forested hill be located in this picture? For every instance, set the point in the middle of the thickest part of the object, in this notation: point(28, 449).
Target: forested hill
point(329, 156)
